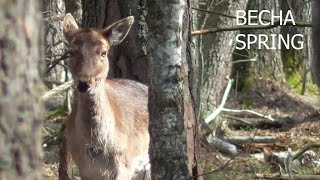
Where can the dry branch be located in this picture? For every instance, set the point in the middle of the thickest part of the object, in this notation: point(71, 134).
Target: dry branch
point(57, 90)
point(237, 140)
point(304, 149)
point(244, 27)
point(56, 61)
point(252, 122)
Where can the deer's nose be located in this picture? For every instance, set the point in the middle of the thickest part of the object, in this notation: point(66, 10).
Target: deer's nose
point(83, 86)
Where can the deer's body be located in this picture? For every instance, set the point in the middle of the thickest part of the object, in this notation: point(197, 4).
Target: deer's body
point(107, 131)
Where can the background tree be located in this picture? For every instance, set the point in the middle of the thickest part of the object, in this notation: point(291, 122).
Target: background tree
point(296, 63)
point(215, 51)
point(315, 40)
point(20, 89)
point(268, 62)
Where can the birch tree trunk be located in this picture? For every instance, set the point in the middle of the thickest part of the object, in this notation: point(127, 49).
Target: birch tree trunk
point(20, 90)
point(173, 127)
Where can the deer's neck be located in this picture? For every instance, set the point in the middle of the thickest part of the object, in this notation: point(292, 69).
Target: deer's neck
point(95, 115)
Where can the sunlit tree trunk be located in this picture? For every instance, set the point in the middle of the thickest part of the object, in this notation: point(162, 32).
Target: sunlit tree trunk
point(20, 89)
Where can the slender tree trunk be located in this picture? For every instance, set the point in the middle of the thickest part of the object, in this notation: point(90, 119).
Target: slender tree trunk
point(20, 89)
point(296, 63)
point(54, 41)
point(315, 40)
point(172, 126)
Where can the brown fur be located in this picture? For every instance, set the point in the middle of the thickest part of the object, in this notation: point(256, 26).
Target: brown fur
point(107, 130)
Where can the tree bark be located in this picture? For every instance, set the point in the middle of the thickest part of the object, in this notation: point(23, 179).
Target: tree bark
point(296, 63)
point(75, 8)
point(268, 61)
point(215, 53)
point(20, 89)
point(54, 40)
point(315, 40)
point(173, 126)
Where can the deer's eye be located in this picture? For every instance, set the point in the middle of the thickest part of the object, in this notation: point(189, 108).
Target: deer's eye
point(103, 54)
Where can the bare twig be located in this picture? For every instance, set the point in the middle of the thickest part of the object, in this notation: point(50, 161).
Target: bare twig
point(56, 61)
point(214, 12)
point(246, 27)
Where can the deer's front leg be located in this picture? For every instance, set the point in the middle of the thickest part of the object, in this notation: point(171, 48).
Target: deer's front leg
point(65, 164)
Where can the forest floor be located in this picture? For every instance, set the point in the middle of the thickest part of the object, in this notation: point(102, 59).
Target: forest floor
point(298, 126)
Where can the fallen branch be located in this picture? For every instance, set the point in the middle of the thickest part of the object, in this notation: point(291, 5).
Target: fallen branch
point(221, 145)
point(216, 112)
point(238, 121)
point(57, 90)
point(251, 112)
point(304, 149)
point(286, 176)
point(237, 140)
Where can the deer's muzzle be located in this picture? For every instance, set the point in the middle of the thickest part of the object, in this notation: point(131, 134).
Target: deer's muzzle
point(83, 86)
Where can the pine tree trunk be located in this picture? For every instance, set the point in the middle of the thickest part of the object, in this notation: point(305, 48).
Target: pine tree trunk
point(173, 126)
point(20, 90)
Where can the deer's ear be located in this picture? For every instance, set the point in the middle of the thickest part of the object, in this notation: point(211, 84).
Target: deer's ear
point(69, 26)
point(116, 32)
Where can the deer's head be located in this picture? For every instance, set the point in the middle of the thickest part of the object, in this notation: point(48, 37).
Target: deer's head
point(89, 48)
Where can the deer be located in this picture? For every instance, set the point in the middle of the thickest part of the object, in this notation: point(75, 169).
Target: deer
point(107, 129)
